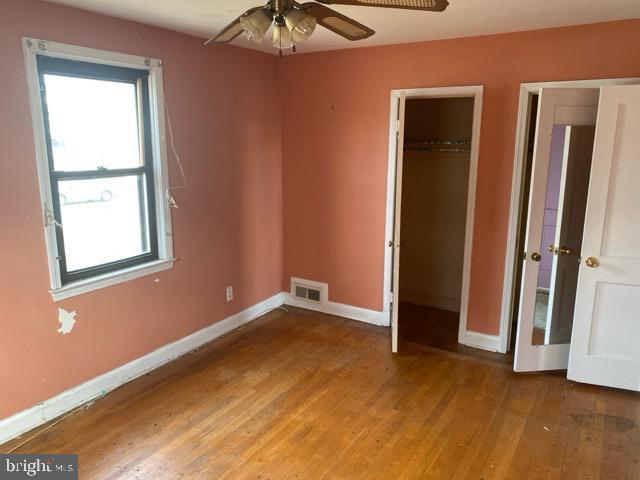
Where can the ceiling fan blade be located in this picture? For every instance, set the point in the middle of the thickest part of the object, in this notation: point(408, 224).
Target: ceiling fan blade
point(428, 5)
point(231, 31)
point(336, 22)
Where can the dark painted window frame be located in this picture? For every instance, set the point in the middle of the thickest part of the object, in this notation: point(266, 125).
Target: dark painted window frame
point(145, 173)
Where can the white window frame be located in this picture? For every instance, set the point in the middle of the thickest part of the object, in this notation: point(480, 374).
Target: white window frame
point(33, 47)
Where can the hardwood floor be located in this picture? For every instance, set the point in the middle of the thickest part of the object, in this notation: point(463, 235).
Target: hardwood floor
point(302, 395)
point(435, 328)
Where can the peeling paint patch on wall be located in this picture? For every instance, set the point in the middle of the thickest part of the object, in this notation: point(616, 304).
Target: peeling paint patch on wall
point(67, 321)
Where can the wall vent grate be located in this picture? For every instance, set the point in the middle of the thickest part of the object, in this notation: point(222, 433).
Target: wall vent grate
point(309, 291)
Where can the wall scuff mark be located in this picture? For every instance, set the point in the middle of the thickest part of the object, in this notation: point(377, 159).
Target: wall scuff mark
point(67, 321)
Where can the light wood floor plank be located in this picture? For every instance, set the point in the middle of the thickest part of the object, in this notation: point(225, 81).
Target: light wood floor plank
point(302, 395)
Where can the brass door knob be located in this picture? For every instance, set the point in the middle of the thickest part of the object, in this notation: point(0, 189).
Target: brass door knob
point(592, 262)
point(536, 257)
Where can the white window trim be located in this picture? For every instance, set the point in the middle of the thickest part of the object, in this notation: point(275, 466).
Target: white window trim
point(33, 47)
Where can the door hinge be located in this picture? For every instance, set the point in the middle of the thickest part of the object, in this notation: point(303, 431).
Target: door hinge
point(391, 296)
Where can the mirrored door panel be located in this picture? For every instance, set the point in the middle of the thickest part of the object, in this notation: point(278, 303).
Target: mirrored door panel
point(561, 236)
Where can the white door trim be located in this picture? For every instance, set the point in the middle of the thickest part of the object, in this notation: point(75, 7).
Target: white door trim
point(526, 89)
point(441, 92)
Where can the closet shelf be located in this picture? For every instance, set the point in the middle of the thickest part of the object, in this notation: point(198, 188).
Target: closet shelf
point(437, 146)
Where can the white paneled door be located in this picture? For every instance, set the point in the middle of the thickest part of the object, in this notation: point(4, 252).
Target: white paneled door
point(396, 230)
point(605, 346)
point(562, 107)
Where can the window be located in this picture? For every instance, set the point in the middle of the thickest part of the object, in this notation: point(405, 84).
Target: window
point(101, 165)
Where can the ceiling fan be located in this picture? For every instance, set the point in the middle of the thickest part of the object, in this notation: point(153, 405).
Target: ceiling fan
point(294, 22)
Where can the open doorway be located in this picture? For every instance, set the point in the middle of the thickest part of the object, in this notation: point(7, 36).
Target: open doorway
point(560, 137)
point(521, 231)
point(435, 177)
point(439, 130)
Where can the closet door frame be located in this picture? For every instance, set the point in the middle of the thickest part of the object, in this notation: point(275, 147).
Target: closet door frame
point(472, 339)
point(527, 90)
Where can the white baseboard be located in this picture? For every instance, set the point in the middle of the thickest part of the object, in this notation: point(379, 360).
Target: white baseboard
point(66, 401)
point(341, 310)
point(471, 339)
point(436, 301)
point(47, 410)
point(482, 341)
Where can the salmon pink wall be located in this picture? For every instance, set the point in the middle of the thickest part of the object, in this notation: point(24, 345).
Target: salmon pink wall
point(227, 231)
point(335, 143)
point(313, 183)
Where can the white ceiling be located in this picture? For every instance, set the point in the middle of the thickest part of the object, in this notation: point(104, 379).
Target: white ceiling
point(463, 18)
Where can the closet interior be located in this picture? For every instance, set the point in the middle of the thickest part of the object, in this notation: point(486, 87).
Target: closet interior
point(435, 177)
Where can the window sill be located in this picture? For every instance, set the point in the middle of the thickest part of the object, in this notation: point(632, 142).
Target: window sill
point(112, 278)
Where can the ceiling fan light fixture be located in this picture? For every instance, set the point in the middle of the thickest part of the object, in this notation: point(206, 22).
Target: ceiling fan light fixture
point(256, 24)
point(295, 22)
point(300, 24)
point(282, 39)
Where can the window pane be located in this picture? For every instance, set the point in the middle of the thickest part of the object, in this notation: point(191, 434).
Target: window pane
point(93, 123)
point(102, 220)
